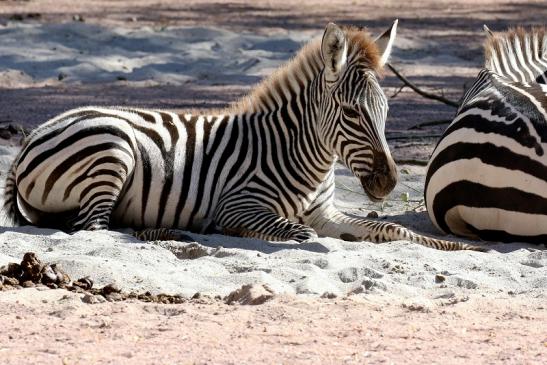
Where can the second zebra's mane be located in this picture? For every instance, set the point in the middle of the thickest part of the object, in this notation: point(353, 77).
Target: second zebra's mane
point(305, 66)
point(518, 54)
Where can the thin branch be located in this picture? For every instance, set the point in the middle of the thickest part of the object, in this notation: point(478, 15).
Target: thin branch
point(397, 92)
point(431, 123)
point(417, 136)
point(419, 91)
point(411, 162)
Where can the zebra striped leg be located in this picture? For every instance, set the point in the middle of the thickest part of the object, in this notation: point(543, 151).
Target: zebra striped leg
point(98, 199)
point(263, 224)
point(162, 234)
point(333, 223)
point(95, 210)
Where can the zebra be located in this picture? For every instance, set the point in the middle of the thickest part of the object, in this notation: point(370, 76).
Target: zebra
point(487, 176)
point(262, 168)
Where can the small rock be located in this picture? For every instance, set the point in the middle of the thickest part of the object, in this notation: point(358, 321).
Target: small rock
point(114, 297)
point(31, 267)
point(250, 294)
point(28, 284)
point(62, 277)
point(439, 278)
point(10, 281)
point(83, 283)
point(111, 288)
point(370, 284)
point(372, 214)
point(121, 78)
point(48, 275)
point(93, 299)
point(61, 76)
point(358, 290)
point(328, 295)
point(348, 275)
point(465, 283)
point(12, 270)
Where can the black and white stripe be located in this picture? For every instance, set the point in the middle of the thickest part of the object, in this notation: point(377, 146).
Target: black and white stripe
point(264, 168)
point(487, 177)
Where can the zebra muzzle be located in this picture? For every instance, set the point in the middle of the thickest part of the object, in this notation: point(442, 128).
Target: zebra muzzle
point(382, 180)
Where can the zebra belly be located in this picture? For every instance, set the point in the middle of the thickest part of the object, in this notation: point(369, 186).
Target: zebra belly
point(488, 195)
point(132, 211)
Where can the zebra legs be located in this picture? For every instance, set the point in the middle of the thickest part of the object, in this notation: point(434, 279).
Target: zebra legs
point(263, 224)
point(97, 203)
point(100, 190)
point(333, 223)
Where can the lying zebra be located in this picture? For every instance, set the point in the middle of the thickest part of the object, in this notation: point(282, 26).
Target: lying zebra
point(263, 168)
point(487, 177)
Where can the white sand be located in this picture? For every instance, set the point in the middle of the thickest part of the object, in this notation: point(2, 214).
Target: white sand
point(395, 271)
point(85, 53)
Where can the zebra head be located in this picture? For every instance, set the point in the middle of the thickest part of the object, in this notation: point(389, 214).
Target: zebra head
point(354, 107)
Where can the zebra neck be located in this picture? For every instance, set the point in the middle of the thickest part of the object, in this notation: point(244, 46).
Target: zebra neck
point(292, 127)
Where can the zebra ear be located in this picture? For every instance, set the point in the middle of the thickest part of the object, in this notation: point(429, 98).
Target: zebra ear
point(385, 42)
point(334, 49)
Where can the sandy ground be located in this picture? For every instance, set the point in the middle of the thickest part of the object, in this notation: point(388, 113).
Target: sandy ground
point(388, 308)
point(55, 327)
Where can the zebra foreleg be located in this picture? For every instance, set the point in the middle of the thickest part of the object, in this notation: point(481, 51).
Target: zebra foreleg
point(333, 223)
point(263, 224)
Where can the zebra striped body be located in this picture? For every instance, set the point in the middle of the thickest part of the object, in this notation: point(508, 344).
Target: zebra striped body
point(487, 177)
point(174, 170)
point(264, 168)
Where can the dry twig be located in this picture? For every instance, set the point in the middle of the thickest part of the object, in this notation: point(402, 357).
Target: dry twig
point(411, 162)
point(419, 91)
point(431, 123)
point(413, 136)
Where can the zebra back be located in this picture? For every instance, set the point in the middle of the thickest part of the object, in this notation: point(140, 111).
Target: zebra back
point(487, 177)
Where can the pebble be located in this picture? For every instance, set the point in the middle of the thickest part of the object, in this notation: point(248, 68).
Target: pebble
point(372, 214)
point(439, 278)
point(28, 284)
point(114, 297)
point(93, 299)
point(111, 288)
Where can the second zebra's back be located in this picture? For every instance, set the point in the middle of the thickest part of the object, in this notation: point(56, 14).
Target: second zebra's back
point(487, 177)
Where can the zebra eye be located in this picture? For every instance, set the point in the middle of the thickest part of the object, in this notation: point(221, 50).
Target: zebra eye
point(350, 112)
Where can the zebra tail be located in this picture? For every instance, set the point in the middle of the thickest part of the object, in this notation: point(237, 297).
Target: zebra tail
point(10, 214)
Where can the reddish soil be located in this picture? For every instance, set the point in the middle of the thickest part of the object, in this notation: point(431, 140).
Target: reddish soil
point(56, 327)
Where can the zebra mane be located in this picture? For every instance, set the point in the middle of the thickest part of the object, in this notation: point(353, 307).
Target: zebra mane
point(306, 65)
point(518, 54)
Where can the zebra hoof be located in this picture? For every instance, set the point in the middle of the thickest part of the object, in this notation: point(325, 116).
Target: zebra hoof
point(349, 237)
point(306, 236)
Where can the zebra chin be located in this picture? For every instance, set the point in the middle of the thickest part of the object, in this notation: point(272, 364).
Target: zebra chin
point(377, 187)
